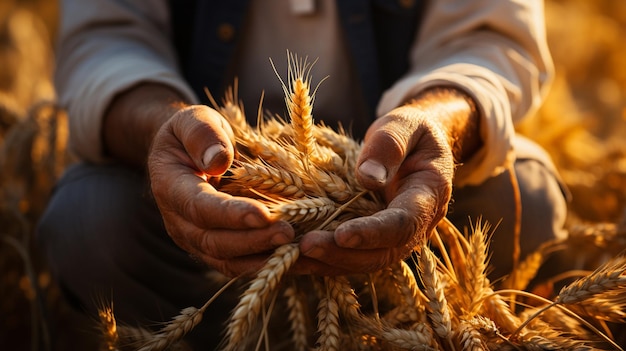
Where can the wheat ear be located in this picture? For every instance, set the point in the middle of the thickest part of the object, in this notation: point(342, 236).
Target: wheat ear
point(610, 309)
point(341, 292)
point(303, 210)
point(297, 316)
point(266, 179)
point(418, 337)
point(438, 311)
point(469, 338)
point(249, 307)
point(299, 101)
point(498, 310)
point(180, 325)
point(608, 277)
point(328, 324)
point(412, 297)
point(109, 327)
point(476, 283)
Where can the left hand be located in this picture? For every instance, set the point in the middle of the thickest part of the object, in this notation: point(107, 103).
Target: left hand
point(406, 155)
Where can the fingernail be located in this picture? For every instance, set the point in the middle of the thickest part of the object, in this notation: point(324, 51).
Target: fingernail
point(374, 170)
point(253, 220)
point(314, 252)
point(353, 242)
point(210, 153)
point(280, 239)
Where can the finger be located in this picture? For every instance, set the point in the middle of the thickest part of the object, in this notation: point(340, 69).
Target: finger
point(423, 188)
point(177, 185)
point(230, 244)
point(198, 202)
point(206, 137)
point(385, 146)
point(309, 266)
point(226, 245)
point(389, 228)
point(320, 246)
point(247, 266)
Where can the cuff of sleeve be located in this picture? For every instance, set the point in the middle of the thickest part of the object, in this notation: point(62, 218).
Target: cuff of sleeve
point(496, 126)
point(89, 104)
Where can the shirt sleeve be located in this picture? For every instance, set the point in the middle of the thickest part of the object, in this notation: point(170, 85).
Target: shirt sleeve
point(105, 47)
point(496, 51)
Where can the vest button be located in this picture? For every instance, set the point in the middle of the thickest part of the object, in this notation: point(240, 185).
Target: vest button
point(407, 4)
point(225, 32)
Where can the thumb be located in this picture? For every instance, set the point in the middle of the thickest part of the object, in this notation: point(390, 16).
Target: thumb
point(207, 138)
point(386, 144)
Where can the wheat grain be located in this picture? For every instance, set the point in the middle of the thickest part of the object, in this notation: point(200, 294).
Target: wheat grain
point(470, 339)
point(418, 337)
point(336, 187)
point(498, 310)
point(325, 158)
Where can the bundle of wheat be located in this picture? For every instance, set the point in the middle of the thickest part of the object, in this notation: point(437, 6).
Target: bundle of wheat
point(440, 299)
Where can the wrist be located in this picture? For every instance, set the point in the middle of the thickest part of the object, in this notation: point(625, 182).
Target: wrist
point(133, 118)
point(454, 111)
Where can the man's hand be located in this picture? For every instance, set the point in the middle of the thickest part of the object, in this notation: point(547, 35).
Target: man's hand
point(409, 154)
point(231, 234)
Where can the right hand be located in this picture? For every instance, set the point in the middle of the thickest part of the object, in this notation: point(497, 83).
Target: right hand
point(234, 235)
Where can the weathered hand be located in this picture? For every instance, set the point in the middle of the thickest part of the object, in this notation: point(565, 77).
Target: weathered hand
point(406, 155)
point(231, 234)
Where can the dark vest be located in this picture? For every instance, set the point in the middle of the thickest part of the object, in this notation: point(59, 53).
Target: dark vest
point(379, 34)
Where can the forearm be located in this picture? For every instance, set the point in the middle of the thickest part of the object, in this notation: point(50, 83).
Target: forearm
point(133, 118)
point(456, 113)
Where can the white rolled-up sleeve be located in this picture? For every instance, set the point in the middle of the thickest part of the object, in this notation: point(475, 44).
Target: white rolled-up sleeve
point(494, 50)
point(105, 47)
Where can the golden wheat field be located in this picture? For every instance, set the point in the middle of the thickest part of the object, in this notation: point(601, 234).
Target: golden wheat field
point(582, 125)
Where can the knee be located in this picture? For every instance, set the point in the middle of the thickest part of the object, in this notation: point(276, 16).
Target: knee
point(87, 225)
point(536, 194)
point(544, 204)
point(90, 206)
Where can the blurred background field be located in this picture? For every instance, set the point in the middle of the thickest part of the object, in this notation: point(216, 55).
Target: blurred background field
point(582, 125)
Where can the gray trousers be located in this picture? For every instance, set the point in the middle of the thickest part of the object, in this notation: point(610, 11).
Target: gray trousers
point(105, 240)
